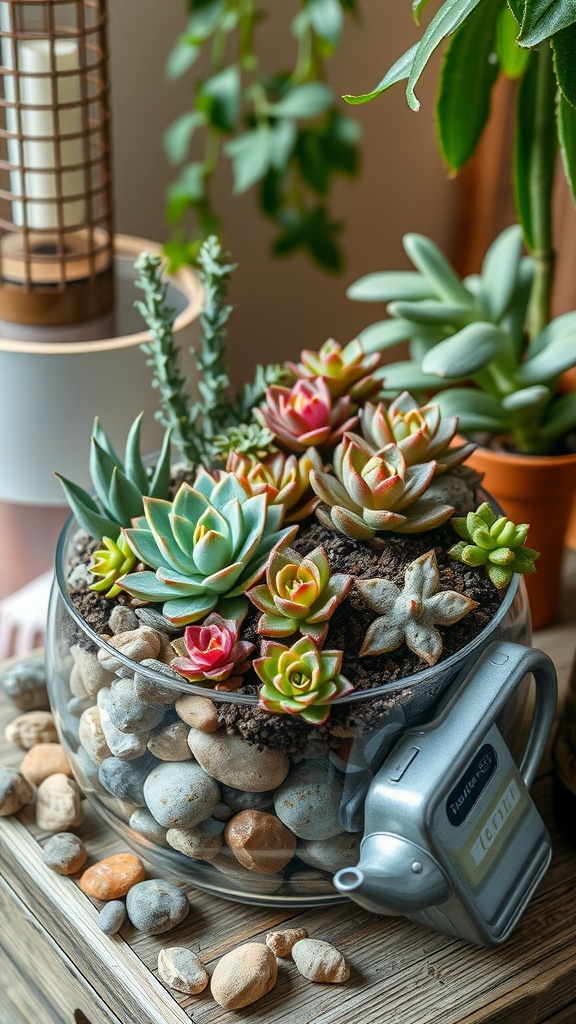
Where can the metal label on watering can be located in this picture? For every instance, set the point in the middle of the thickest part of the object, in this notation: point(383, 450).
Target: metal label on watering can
point(452, 838)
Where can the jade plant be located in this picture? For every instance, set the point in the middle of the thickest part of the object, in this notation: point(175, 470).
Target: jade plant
point(411, 615)
point(493, 543)
point(369, 494)
point(473, 332)
point(213, 654)
point(421, 432)
point(285, 479)
point(210, 543)
point(301, 680)
point(300, 594)
point(120, 486)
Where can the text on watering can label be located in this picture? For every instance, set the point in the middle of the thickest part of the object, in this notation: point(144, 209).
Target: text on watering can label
point(471, 784)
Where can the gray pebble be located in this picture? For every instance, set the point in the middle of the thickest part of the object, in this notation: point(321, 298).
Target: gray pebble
point(65, 853)
point(80, 576)
point(77, 705)
point(151, 691)
point(182, 970)
point(142, 822)
point(125, 745)
point(15, 791)
point(125, 779)
point(112, 917)
point(342, 851)
point(87, 768)
point(222, 812)
point(308, 801)
point(122, 619)
point(151, 617)
point(201, 842)
point(180, 794)
point(25, 685)
point(156, 906)
point(238, 800)
point(128, 712)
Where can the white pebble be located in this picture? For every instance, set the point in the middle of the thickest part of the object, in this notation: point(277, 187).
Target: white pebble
point(320, 961)
point(179, 968)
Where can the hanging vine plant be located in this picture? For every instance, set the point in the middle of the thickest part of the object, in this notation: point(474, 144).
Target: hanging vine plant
point(284, 134)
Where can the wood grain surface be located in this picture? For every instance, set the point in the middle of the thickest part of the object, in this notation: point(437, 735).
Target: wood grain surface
point(401, 973)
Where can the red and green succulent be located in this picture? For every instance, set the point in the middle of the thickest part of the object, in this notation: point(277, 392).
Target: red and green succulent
point(345, 371)
point(300, 594)
point(213, 653)
point(285, 479)
point(420, 432)
point(301, 680)
point(306, 415)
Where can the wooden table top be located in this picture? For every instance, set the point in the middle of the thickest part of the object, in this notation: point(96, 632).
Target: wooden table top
point(401, 973)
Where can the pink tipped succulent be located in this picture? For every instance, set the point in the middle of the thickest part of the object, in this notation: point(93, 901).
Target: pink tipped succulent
point(212, 653)
point(305, 416)
point(370, 493)
point(419, 431)
point(285, 479)
point(346, 371)
point(300, 594)
point(301, 680)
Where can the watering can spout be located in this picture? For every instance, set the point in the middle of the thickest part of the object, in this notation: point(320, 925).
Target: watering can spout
point(394, 876)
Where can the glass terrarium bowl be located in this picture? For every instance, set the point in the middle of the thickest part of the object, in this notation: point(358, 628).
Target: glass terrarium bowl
point(252, 824)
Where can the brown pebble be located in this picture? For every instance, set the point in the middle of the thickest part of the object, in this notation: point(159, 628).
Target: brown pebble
point(112, 878)
point(43, 760)
point(58, 804)
point(260, 841)
point(31, 728)
point(244, 975)
point(198, 712)
point(281, 943)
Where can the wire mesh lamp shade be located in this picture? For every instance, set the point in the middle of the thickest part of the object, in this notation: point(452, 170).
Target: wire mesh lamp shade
point(56, 240)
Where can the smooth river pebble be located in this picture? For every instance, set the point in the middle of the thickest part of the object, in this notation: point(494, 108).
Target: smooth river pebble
point(239, 764)
point(309, 800)
point(156, 906)
point(179, 968)
point(180, 794)
point(244, 975)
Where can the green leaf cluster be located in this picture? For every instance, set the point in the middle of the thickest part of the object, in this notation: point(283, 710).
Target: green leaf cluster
point(472, 332)
point(281, 132)
point(493, 543)
point(119, 486)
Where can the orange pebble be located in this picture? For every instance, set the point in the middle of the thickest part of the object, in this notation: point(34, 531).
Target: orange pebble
point(111, 878)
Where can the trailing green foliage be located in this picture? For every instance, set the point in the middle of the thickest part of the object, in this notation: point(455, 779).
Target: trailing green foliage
point(473, 331)
point(281, 131)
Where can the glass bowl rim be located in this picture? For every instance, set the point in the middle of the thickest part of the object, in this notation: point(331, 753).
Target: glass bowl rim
point(184, 687)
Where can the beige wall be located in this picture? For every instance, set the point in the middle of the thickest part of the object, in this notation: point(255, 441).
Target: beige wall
point(284, 305)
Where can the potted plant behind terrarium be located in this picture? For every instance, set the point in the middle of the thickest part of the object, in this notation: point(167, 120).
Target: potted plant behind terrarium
point(236, 643)
point(489, 341)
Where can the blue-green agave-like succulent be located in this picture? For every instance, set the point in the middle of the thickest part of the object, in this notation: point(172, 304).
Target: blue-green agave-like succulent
point(211, 543)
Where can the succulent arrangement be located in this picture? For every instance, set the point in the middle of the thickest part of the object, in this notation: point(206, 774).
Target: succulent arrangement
point(280, 525)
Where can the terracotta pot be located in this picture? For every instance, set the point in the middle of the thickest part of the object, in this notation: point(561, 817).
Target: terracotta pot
point(566, 386)
point(540, 490)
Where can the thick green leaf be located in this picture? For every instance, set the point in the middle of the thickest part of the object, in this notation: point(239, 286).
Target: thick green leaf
point(527, 400)
point(386, 285)
point(87, 512)
point(466, 352)
point(560, 327)
point(160, 482)
point(524, 135)
point(542, 18)
point(564, 48)
point(511, 57)
point(566, 115)
point(560, 417)
point(219, 98)
point(178, 135)
point(251, 156)
point(384, 334)
point(397, 73)
point(182, 56)
point(124, 498)
point(135, 470)
point(517, 7)
point(327, 19)
point(554, 359)
point(475, 410)
point(466, 79)
point(100, 435)
point(451, 15)
point(429, 259)
point(430, 311)
point(500, 271)
point(305, 100)
point(407, 376)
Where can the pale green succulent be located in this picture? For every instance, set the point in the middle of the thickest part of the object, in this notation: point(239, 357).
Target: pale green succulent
point(494, 544)
point(111, 562)
point(374, 493)
point(212, 542)
point(120, 486)
point(301, 680)
point(411, 615)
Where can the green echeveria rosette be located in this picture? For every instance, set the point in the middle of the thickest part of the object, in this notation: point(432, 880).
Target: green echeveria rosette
point(300, 594)
point(111, 562)
point(211, 543)
point(493, 543)
point(300, 680)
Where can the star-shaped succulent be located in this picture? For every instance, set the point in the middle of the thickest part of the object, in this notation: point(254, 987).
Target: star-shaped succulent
point(411, 615)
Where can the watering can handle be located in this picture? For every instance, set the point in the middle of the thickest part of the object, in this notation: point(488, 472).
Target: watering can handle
point(490, 683)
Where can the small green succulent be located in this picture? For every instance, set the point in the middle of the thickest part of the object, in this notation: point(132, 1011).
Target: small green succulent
point(120, 486)
point(300, 680)
point(212, 542)
point(111, 562)
point(300, 594)
point(411, 615)
point(371, 493)
point(493, 543)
